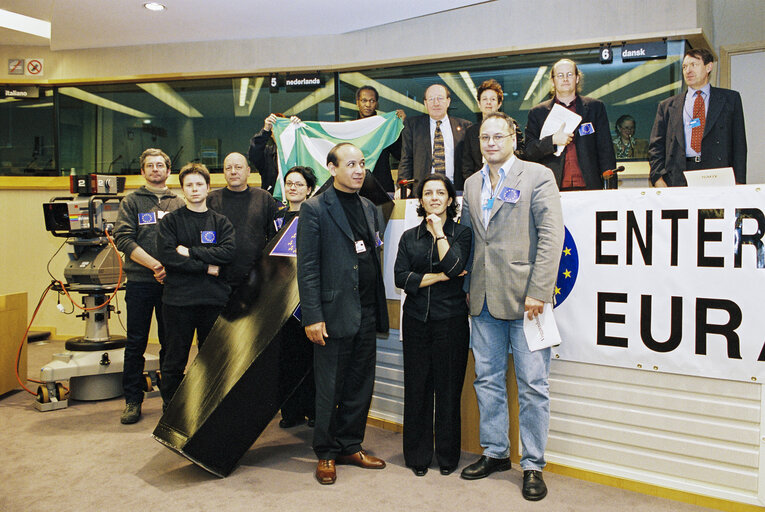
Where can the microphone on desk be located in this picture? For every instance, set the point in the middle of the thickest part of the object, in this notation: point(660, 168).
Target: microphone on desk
point(109, 170)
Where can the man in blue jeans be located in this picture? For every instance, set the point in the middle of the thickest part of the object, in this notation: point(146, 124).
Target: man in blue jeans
point(514, 209)
point(135, 234)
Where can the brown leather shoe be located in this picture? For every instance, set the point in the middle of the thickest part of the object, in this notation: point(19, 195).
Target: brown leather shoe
point(362, 459)
point(325, 472)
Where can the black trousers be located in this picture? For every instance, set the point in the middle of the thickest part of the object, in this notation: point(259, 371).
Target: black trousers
point(345, 377)
point(180, 324)
point(295, 362)
point(142, 300)
point(435, 357)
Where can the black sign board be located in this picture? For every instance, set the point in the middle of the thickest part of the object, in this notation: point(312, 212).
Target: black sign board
point(303, 81)
point(644, 51)
point(22, 92)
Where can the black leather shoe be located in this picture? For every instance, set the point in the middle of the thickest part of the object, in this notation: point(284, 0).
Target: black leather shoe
point(447, 470)
point(484, 467)
point(534, 488)
point(420, 470)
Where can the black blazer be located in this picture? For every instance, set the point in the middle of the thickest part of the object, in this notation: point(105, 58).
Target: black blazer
point(327, 266)
point(723, 143)
point(595, 151)
point(417, 151)
point(472, 159)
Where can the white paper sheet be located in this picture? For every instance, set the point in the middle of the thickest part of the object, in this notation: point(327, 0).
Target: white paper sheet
point(722, 177)
point(557, 117)
point(541, 332)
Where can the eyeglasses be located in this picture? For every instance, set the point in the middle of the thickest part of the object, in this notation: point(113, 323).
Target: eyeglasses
point(436, 99)
point(290, 184)
point(498, 138)
point(230, 168)
point(561, 76)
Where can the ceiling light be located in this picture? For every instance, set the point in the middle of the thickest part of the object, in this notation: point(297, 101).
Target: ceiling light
point(154, 6)
point(24, 24)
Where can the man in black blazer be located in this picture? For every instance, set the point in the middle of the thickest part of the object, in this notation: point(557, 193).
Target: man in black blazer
point(717, 117)
point(342, 300)
point(581, 164)
point(418, 140)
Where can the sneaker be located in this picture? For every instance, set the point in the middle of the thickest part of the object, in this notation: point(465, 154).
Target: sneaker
point(131, 414)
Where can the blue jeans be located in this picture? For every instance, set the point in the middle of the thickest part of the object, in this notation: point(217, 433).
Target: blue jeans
point(491, 341)
point(142, 299)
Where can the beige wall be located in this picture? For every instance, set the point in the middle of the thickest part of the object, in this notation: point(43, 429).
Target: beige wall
point(519, 25)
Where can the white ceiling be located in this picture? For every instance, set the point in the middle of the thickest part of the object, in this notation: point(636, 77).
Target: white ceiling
point(79, 24)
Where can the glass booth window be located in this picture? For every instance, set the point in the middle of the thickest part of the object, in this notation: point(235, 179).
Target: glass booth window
point(627, 88)
point(26, 136)
point(105, 128)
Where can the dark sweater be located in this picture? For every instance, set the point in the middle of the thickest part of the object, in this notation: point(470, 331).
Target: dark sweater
point(209, 237)
point(368, 269)
point(137, 226)
point(252, 214)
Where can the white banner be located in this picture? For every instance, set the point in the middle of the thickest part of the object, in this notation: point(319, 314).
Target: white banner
point(667, 280)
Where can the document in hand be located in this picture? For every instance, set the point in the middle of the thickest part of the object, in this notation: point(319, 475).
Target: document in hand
point(541, 332)
point(722, 177)
point(557, 117)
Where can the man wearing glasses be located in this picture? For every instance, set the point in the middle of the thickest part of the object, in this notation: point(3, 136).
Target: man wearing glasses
point(514, 210)
point(433, 143)
point(251, 210)
point(588, 149)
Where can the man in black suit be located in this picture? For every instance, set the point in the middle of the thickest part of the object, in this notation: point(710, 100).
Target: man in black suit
point(367, 100)
point(433, 142)
point(342, 300)
point(701, 128)
point(581, 165)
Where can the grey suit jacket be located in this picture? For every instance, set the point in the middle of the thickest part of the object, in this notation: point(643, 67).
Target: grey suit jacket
point(417, 150)
point(519, 253)
point(723, 143)
point(327, 266)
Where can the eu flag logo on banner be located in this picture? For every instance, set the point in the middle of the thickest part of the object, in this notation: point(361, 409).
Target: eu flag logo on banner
point(298, 314)
point(568, 269)
point(147, 218)
point(287, 244)
point(208, 237)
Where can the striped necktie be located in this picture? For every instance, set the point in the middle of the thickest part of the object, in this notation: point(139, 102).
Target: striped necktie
point(439, 156)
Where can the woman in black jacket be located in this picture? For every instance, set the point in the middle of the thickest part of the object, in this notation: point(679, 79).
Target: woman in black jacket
point(430, 267)
point(296, 353)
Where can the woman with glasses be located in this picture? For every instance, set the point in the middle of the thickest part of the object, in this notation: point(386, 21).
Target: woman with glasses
point(296, 356)
point(430, 267)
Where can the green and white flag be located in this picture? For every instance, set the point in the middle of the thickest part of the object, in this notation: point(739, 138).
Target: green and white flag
point(307, 143)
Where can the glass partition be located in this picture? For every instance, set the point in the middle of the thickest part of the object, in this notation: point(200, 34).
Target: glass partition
point(104, 128)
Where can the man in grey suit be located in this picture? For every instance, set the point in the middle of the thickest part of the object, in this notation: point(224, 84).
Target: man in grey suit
point(342, 300)
point(433, 143)
point(701, 128)
point(514, 209)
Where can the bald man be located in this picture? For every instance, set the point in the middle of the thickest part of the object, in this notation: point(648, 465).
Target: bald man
point(251, 210)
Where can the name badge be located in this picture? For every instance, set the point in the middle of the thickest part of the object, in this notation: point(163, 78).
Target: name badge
point(208, 237)
point(488, 204)
point(161, 213)
point(586, 129)
point(147, 218)
point(510, 195)
point(360, 247)
point(378, 240)
point(694, 123)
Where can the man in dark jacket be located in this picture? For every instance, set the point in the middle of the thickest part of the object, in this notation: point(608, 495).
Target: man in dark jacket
point(588, 149)
point(135, 235)
point(342, 301)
